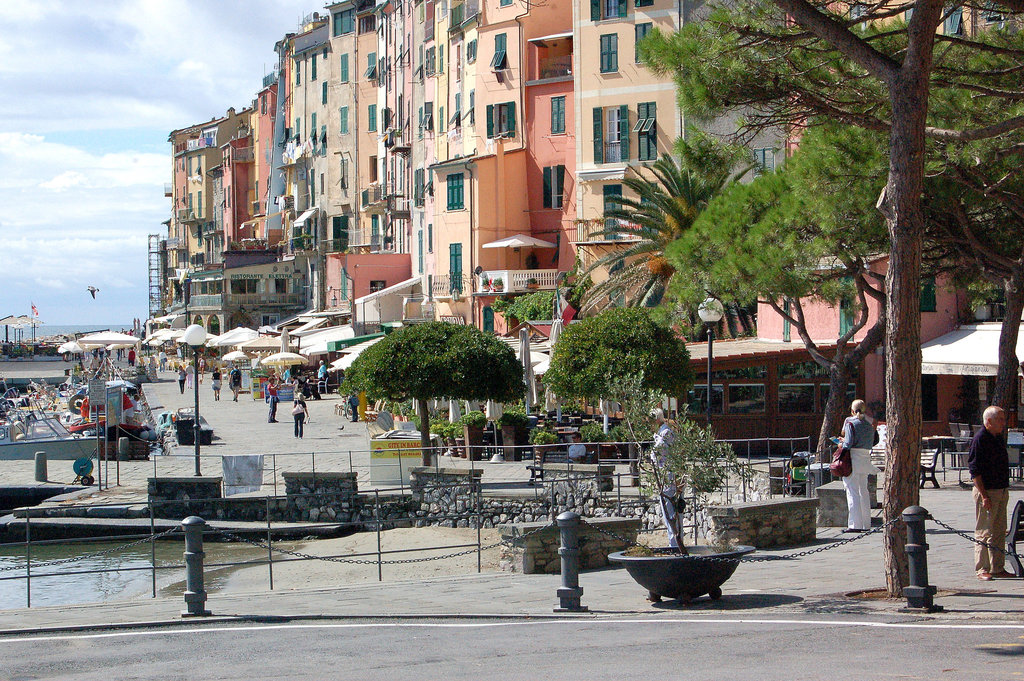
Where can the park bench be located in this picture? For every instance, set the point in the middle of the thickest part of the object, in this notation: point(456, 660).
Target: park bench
point(929, 459)
point(545, 455)
point(1014, 534)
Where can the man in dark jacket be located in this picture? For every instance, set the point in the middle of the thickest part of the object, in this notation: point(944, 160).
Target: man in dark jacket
point(989, 466)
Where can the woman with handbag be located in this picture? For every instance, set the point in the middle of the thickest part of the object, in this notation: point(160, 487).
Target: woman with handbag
point(299, 414)
point(858, 438)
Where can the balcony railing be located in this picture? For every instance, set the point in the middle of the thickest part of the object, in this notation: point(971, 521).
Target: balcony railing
point(262, 299)
point(372, 195)
point(301, 243)
point(186, 215)
point(441, 285)
point(516, 281)
point(555, 67)
point(168, 189)
point(612, 152)
point(213, 301)
point(269, 79)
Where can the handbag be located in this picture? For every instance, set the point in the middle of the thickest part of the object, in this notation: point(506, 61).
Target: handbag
point(842, 464)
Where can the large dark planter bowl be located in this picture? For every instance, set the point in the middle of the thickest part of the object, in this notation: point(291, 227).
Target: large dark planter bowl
point(675, 576)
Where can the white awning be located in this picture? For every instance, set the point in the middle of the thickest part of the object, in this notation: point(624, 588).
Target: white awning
point(390, 290)
point(301, 220)
point(520, 241)
point(968, 351)
point(309, 327)
point(316, 343)
point(351, 353)
point(552, 37)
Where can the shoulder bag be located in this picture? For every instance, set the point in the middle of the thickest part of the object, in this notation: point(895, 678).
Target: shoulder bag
point(842, 464)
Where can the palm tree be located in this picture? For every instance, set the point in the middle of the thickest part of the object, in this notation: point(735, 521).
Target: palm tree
point(659, 211)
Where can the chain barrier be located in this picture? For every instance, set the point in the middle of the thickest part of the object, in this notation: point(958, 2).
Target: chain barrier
point(762, 559)
point(974, 540)
point(97, 554)
point(358, 561)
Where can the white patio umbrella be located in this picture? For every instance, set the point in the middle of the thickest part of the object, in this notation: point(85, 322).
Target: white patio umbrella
point(235, 336)
point(528, 376)
point(104, 338)
point(454, 412)
point(494, 410)
point(70, 346)
point(235, 356)
point(283, 359)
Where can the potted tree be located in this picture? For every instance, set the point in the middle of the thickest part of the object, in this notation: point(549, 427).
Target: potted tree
point(542, 440)
point(593, 433)
point(513, 423)
point(473, 431)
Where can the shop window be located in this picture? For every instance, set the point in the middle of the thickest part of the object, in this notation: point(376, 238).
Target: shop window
point(796, 398)
point(697, 398)
point(746, 398)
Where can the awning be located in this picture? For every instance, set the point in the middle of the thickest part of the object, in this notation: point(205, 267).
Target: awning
point(394, 288)
point(235, 336)
point(969, 351)
point(520, 241)
point(552, 37)
point(309, 327)
point(319, 343)
point(351, 353)
point(301, 220)
point(344, 345)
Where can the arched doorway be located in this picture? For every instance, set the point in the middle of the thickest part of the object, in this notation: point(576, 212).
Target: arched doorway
point(198, 320)
point(214, 326)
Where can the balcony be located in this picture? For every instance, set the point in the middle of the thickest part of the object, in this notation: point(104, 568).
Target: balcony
point(364, 6)
point(207, 301)
point(186, 215)
point(555, 67)
point(400, 207)
point(364, 239)
point(269, 79)
point(335, 245)
point(242, 154)
point(517, 281)
point(301, 243)
point(441, 285)
point(373, 198)
point(168, 189)
point(262, 299)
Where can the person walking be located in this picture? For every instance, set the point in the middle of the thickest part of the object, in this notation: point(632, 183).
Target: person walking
point(235, 381)
point(353, 405)
point(182, 377)
point(989, 465)
point(272, 400)
point(163, 361)
point(215, 381)
point(299, 413)
point(131, 357)
point(858, 438)
point(190, 375)
point(202, 369)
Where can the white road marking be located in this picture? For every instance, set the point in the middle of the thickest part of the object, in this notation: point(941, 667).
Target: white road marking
point(486, 625)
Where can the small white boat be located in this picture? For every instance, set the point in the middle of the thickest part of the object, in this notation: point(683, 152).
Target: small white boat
point(24, 435)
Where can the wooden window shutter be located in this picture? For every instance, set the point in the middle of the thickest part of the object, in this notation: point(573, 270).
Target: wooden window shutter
point(598, 135)
point(624, 132)
point(547, 187)
point(595, 10)
point(490, 121)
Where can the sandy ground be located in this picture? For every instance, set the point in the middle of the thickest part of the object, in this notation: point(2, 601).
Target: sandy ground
point(312, 574)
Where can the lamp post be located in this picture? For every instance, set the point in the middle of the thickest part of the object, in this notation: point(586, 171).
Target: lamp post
point(710, 312)
point(195, 336)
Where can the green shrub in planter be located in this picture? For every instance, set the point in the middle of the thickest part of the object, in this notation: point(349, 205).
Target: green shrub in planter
point(515, 417)
point(592, 432)
point(539, 436)
point(474, 419)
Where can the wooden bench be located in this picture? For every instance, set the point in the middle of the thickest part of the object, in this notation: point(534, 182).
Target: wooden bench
point(1014, 534)
point(545, 455)
point(929, 459)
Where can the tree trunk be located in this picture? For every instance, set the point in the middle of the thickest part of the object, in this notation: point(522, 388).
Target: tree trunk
point(425, 451)
point(902, 209)
point(1006, 378)
point(839, 376)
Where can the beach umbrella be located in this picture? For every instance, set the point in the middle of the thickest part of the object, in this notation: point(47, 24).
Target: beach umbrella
point(454, 412)
point(70, 346)
point(283, 359)
point(235, 356)
point(556, 331)
point(494, 410)
point(235, 336)
point(263, 343)
point(528, 376)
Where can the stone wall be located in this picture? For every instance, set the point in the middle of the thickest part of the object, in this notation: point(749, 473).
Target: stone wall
point(533, 552)
point(178, 498)
point(764, 524)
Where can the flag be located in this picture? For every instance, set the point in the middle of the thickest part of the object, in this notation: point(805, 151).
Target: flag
point(35, 310)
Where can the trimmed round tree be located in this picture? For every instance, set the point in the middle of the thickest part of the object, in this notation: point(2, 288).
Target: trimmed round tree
point(593, 355)
point(437, 360)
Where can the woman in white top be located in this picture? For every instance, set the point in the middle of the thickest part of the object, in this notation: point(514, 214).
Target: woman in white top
point(858, 437)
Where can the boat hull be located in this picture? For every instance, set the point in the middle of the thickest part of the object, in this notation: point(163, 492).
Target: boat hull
point(56, 449)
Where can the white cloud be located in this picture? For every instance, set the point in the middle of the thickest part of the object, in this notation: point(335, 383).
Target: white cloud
point(65, 180)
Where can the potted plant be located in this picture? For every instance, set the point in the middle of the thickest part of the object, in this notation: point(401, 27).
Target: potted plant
point(532, 284)
point(513, 422)
point(542, 440)
point(498, 285)
point(473, 431)
point(685, 463)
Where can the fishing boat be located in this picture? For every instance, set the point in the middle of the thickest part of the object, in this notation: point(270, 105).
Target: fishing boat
point(24, 433)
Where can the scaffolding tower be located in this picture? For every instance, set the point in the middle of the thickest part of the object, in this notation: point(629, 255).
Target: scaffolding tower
point(156, 277)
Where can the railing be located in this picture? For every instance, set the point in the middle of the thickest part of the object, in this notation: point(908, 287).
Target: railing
point(555, 67)
point(400, 205)
point(168, 189)
point(269, 79)
point(372, 195)
point(612, 152)
point(207, 300)
point(335, 245)
point(236, 299)
point(517, 281)
point(186, 215)
point(441, 286)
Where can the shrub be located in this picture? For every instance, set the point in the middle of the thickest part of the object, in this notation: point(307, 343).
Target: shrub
point(592, 432)
point(514, 416)
point(474, 419)
point(539, 436)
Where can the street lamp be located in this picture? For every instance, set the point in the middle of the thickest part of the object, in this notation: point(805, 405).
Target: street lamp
point(195, 336)
point(710, 312)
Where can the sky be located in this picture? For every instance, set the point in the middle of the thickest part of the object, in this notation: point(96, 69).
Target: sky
point(91, 92)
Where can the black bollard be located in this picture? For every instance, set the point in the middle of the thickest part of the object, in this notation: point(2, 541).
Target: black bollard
point(919, 593)
point(195, 594)
point(570, 592)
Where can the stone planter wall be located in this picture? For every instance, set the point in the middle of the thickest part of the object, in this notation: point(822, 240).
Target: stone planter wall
point(178, 498)
point(765, 524)
point(538, 553)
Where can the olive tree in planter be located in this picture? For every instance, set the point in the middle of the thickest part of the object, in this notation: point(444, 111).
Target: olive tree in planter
point(684, 463)
point(437, 360)
point(473, 424)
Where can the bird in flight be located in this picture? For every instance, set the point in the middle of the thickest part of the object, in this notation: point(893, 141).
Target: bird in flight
point(93, 290)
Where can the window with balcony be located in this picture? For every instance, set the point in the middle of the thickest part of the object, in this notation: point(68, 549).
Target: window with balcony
point(607, 9)
point(609, 53)
point(640, 31)
point(499, 61)
point(646, 130)
point(558, 115)
point(456, 197)
point(501, 120)
point(611, 134)
point(554, 186)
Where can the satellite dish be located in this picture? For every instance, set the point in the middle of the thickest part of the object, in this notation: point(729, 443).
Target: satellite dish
point(82, 466)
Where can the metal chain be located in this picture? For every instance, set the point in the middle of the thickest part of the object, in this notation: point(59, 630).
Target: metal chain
point(761, 559)
point(97, 554)
point(357, 561)
point(1005, 552)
